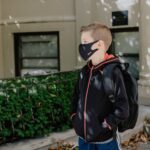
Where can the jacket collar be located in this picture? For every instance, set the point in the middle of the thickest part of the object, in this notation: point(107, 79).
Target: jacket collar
point(108, 59)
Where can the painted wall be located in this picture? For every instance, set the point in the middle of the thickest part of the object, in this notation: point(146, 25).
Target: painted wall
point(102, 10)
point(37, 8)
point(39, 16)
point(1, 53)
point(88, 11)
point(144, 82)
point(65, 16)
point(67, 43)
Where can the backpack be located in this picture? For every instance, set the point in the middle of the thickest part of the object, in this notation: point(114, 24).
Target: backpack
point(131, 90)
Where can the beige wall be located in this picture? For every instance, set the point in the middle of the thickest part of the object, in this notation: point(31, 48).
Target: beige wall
point(37, 8)
point(39, 16)
point(84, 16)
point(102, 11)
point(1, 54)
point(66, 16)
point(67, 43)
point(88, 11)
point(145, 40)
point(144, 82)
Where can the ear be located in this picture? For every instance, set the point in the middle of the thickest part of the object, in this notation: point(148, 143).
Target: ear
point(101, 44)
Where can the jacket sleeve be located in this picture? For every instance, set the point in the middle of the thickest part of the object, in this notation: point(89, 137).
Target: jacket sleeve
point(75, 98)
point(121, 106)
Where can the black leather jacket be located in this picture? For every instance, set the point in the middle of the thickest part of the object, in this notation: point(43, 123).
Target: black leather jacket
point(90, 104)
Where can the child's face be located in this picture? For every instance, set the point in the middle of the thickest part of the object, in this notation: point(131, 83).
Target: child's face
point(86, 37)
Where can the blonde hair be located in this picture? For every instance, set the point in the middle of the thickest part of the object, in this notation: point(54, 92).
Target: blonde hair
point(99, 32)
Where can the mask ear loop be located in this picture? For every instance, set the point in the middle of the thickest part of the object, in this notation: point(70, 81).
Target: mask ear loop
point(93, 50)
point(92, 45)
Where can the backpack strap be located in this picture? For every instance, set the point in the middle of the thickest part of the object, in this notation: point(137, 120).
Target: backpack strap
point(109, 86)
point(108, 83)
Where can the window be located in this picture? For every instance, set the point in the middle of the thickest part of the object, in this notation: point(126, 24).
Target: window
point(36, 53)
point(126, 45)
point(119, 18)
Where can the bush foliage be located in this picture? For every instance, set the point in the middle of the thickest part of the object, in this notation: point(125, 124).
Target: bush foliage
point(35, 106)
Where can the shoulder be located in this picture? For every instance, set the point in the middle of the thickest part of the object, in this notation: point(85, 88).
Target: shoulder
point(112, 70)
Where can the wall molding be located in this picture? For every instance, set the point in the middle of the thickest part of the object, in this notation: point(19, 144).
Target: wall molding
point(27, 20)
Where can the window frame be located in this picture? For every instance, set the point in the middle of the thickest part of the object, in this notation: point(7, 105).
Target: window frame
point(18, 53)
point(123, 29)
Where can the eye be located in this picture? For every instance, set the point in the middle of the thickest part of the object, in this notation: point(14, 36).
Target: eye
point(85, 42)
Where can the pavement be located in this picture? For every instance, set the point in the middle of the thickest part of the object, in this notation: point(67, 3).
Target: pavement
point(70, 136)
point(139, 146)
point(144, 111)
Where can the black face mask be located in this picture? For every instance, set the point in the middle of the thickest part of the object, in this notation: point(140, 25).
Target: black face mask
point(86, 51)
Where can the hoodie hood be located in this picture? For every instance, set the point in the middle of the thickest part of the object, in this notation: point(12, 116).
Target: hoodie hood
point(108, 56)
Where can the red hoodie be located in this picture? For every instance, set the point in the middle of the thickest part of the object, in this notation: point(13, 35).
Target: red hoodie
point(108, 56)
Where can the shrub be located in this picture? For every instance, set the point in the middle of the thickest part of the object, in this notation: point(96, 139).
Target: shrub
point(35, 106)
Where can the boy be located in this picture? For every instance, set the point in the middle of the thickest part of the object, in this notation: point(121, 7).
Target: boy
point(93, 116)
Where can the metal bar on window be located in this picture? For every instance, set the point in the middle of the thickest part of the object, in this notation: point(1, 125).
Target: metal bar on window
point(42, 67)
point(26, 42)
point(39, 57)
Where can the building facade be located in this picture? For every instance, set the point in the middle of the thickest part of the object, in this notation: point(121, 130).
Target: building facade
point(44, 35)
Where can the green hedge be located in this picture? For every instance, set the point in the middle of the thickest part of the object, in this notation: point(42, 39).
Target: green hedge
point(35, 106)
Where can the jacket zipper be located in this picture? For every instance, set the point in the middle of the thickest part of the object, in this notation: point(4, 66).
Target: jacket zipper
point(86, 103)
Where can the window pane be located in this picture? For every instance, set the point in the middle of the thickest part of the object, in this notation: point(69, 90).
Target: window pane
point(40, 63)
point(39, 46)
point(36, 52)
point(126, 42)
point(25, 72)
